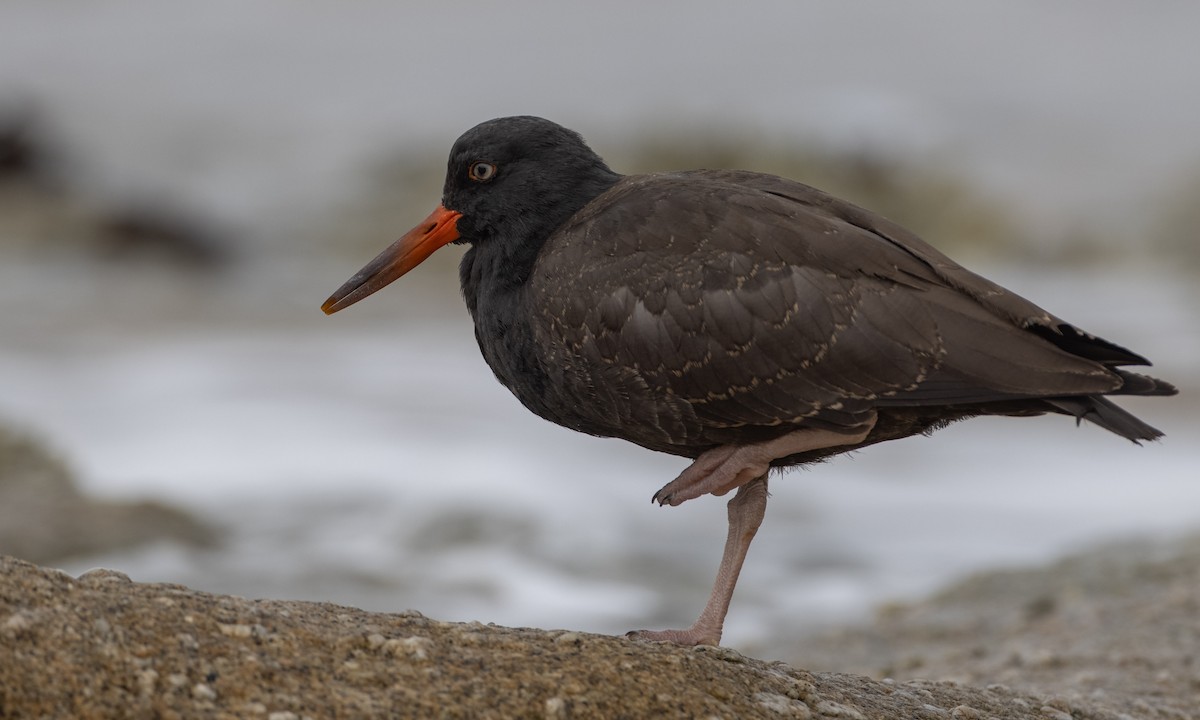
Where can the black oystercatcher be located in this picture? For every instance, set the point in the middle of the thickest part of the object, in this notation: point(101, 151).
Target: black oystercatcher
point(741, 320)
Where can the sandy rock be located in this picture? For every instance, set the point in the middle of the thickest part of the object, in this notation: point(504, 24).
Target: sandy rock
point(1117, 627)
point(100, 646)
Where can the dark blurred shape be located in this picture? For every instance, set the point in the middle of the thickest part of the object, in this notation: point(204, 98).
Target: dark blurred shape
point(46, 212)
point(1040, 608)
point(44, 517)
point(18, 153)
point(27, 153)
point(144, 232)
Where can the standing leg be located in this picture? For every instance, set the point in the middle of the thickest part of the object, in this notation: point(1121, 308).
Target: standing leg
point(746, 511)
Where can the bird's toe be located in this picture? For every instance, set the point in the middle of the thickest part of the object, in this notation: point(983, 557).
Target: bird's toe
point(688, 638)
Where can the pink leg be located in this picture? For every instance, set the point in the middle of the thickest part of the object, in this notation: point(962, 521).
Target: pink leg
point(746, 511)
point(718, 471)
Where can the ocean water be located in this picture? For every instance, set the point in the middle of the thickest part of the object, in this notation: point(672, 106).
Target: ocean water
point(370, 458)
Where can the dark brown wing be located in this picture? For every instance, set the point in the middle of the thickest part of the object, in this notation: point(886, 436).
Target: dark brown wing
point(677, 307)
point(999, 300)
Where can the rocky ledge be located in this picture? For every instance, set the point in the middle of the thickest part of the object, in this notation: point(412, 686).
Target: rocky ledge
point(101, 646)
point(1116, 627)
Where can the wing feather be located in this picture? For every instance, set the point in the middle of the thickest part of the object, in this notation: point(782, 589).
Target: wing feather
point(775, 304)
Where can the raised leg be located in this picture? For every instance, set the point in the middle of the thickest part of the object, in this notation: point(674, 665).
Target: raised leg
point(727, 467)
point(746, 511)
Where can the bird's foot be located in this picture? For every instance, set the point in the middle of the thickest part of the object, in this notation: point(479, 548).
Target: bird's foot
point(694, 635)
point(716, 471)
point(729, 467)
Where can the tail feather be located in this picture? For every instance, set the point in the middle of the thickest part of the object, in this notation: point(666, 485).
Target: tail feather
point(1101, 411)
point(1086, 345)
point(1137, 384)
point(1098, 409)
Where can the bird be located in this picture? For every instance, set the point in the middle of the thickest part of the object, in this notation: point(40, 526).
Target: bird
point(742, 321)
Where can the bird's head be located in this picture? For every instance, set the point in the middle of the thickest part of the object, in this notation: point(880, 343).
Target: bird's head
point(509, 180)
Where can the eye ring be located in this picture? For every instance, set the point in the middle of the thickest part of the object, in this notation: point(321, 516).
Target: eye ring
point(481, 171)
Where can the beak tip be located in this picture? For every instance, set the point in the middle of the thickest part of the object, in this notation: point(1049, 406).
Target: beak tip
point(401, 256)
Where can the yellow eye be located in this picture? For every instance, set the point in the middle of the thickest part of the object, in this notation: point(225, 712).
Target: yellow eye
point(482, 172)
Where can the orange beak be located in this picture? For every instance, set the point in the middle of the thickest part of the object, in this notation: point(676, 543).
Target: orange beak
point(440, 228)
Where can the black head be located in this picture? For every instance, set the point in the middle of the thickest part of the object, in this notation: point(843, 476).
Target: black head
point(520, 178)
point(510, 183)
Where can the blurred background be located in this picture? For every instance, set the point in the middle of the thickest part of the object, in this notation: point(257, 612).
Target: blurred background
point(181, 187)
